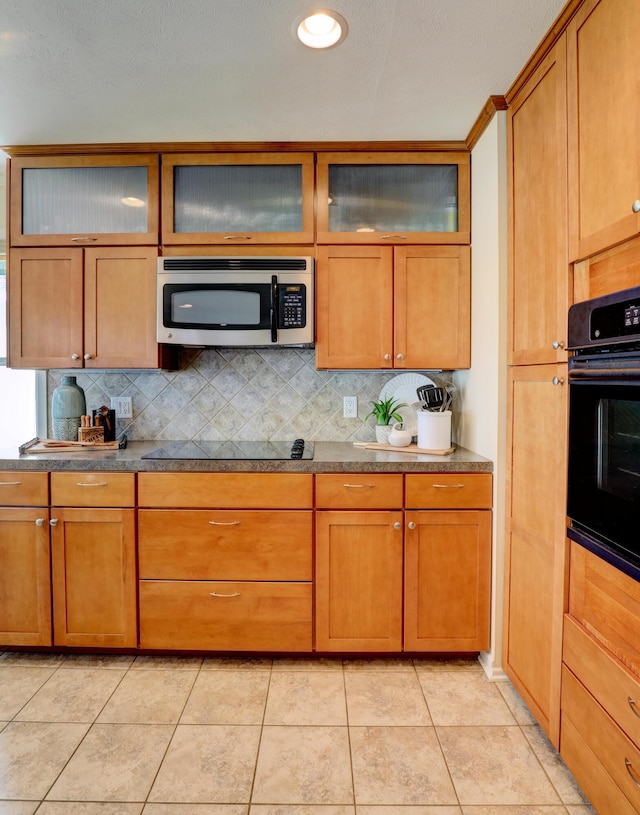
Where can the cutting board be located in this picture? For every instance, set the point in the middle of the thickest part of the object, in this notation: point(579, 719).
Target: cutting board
point(411, 448)
point(55, 446)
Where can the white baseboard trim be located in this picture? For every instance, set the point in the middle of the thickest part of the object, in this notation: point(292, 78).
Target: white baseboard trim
point(493, 672)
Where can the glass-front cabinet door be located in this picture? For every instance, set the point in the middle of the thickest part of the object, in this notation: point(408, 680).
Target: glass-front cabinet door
point(393, 198)
point(237, 198)
point(84, 200)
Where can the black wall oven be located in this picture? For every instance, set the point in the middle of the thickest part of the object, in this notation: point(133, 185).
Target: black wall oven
point(604, 428)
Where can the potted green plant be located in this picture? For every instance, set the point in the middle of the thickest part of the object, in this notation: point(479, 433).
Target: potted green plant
point(385, 411)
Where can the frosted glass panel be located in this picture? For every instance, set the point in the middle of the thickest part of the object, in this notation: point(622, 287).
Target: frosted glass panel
point(84, 200)
point(393, 197)
point(239, 198)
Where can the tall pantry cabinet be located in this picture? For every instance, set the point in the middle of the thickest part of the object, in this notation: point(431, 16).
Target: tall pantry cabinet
point(535, 556)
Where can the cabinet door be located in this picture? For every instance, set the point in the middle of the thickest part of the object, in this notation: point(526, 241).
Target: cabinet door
point(80, 200)
point(393, 197)
point(604, 125)
point(45, 308)
point(447, 581)
point(536, 549)
point(358, 581)
point(25, 579)
point(237, 198)
point(94, 577)
point(354, 309)
point(120, 308)
point(539, 271)
point(432, 307)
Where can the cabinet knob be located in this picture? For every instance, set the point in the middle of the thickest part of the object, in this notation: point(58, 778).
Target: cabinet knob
point(87, 356)
point(400, 357)
point(557, 344)
point(557, 380)
point(411, 525)
point(387, 357)
point(39, 521)
point(53, 522)
point(75, 356)
point(397, 525)
point(636, 205)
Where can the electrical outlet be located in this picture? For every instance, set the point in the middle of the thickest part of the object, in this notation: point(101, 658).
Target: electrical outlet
point(350, 407)
point(122, 406)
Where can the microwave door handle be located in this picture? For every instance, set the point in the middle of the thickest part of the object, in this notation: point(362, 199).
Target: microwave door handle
point(274, 308)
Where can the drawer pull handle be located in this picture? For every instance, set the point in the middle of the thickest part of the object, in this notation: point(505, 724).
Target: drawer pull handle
point(359, 486)
point(629, 767)
point(10, 483)
point(448, 486)
point(633, 705)
point(224, 523)
point(216, 594)
point(98, 484)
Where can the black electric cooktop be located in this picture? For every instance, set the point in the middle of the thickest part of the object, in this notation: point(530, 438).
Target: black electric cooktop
point(233, 450)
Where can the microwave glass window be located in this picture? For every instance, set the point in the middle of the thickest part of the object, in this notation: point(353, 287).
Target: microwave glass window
point(215, 307)
point(618, 459)
point(388, 197)
point(91, 200)
point(239, 198)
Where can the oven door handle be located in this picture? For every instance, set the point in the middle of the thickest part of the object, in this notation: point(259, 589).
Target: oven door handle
point(274, 308)
point(603, 374)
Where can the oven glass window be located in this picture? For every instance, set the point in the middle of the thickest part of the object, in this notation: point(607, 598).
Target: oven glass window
point(619, 448)
point(216, 308)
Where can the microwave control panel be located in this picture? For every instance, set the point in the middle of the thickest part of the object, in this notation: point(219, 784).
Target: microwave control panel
point(292, 305)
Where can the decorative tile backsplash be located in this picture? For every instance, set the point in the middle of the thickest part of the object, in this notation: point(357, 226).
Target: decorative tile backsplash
point(227, 393)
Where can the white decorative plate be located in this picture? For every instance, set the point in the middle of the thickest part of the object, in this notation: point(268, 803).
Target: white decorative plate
point(403, 389)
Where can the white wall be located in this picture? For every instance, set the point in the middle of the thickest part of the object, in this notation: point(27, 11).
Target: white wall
point(482, 405)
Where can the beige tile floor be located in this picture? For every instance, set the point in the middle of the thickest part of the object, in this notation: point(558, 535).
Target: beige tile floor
point(124, 735)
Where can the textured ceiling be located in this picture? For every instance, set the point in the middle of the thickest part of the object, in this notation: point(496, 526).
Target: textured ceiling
point(84, 71)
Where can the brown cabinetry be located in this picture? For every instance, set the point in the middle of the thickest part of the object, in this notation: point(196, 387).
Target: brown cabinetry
point(237, 198)
point(84, 200)
point(25, 572)
point(363, 536)
point(93, 559)
point(535, 554)
point(393, 198)
point(223, 564)
point(604, 125)
point(539, 274)
point(74, 308)
point(600, 737)
point(402, 307)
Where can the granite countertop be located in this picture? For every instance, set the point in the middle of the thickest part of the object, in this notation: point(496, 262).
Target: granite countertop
point(328, 457)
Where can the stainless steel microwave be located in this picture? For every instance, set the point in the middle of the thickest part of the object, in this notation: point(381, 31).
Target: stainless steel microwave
point(236, 301)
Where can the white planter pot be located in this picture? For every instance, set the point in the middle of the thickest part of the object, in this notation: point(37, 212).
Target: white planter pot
point(382, 433)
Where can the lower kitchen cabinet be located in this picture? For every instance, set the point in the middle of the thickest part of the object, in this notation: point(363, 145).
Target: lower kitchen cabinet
point(25, 571)
point(223, 564)
point(447, 589)
point(359, 581)
point(93, 559)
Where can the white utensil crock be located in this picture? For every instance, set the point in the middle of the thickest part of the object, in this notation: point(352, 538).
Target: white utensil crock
point(434, 429)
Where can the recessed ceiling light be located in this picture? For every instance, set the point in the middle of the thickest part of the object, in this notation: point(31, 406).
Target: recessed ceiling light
point(130, 201)
point(322, 29)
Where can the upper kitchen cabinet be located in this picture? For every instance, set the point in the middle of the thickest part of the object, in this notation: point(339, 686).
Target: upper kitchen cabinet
point(604, 125)
point(84, 200)
point(393, 307)
point(91, 308)
point(538, 264)
point(393, 198)
point(237, 198)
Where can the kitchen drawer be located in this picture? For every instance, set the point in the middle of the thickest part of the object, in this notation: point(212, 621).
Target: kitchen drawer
point(242, 617)
point(23, 489)
point(605, 602)
point(200, 544)
point(449, 491)
point(615, 688)
point(358, 491)
point(226, 490)
point(613, 750)
point(96, 489)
